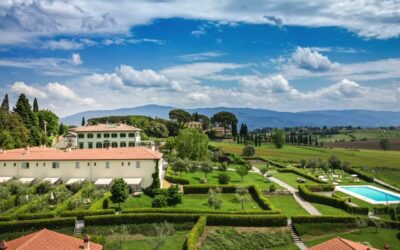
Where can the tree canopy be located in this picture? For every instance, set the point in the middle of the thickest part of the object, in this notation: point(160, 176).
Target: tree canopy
point(14, 133)
point(192, 144)
point(5, 104)
point(24, 110)
point(51, 120)
point(180, 115)
point(278, 138)
point(119, 191)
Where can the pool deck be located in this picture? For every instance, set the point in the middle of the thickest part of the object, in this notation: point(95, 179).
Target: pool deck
point(367, 199)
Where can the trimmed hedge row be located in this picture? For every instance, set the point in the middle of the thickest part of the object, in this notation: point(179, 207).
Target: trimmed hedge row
point(360, 174)
point(258, 196)
point(273, 163)
point(34, 216)
point(247, 220)
point(175, 179)
point(299, 172)
point(308, 195)
point(195, 211)
point(27, 225)
point(5, 218)
point(195, 233)
point(387, 223)
point(81, 214)
point(138, 218)
point(323, 219)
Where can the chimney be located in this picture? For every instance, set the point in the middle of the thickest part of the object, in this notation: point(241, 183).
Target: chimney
point(26, 150)
point(86, 241)
point(3, 245)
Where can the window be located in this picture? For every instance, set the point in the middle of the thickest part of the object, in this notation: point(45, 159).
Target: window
point(131, 144)
point(114, 145)
point(137, 164)
point(44, 164)
point(88, 164)
point(122, 163)
point(129, 163)
point(55, 165)
point(81, 136)
point(25, 165)
point(81, 145)
point(94, 164)
point(77, 165)
point(106, 135)
point(107, 164)
point(90, 136)
point(15, 164)
point(4, 164)
point(99, 145)
point(131, 135)
point(90, 145)
point(37, 164)
point(122, 135)
point(98, 135)
point(114, 135)
point(122, 144)
point(106, 144)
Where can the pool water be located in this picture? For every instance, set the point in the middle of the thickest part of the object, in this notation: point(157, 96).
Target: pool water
point(372, 193)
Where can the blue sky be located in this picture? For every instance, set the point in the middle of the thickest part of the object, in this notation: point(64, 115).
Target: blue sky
point(283, 55)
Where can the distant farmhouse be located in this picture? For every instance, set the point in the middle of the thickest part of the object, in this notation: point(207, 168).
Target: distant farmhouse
point(100, 165)
point(198, 125)
point(118, 135)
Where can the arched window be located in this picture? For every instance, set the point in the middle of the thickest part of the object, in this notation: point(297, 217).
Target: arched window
point(122, 144)
point(106, 144)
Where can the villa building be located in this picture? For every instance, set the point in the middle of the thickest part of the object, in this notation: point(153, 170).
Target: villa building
point(103, 136)
point(101, 165)
point(198, 125)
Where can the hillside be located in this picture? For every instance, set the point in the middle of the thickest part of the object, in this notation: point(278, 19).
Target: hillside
point(258, 118)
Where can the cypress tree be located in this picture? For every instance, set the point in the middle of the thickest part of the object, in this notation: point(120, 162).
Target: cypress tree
point(24, 110)
point(234, 129)
point(83, 121)
point(35, 105)
point(5, 105)
point(61, 129)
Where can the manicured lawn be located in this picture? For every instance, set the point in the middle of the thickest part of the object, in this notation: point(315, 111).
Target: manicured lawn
point(250, 179)
point(290, 178)
point(293, 153)
point(287, 204)
point(389, 175)
point(194, 201)
point(328, 210)
point(377, 240)
point(175, 241)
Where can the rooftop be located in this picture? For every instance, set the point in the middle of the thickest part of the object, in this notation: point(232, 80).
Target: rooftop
point(51, 154)
point(342, 244)
point(119, 127)
point(49, 240)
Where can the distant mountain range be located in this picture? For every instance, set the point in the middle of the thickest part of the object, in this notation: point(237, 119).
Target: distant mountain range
point(259, 118)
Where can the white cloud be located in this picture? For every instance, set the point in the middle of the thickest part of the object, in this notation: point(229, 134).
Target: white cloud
point(22, 21)
point(307, 59)
point(201, 56)
point(76, 59)
point(21, 87)
point(58, 90)
point(272, 85)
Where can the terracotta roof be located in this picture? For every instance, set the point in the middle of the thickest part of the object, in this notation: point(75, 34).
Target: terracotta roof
point(50, 154)
point(49, 240)
point(342, 244)
point(120, 127)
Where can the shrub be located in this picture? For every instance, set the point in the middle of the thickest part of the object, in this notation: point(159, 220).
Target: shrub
point(174, 197)
point(223, 166)
point(195, 233)
point(159, 201)
point(272, 188)
point(105, 203)
point(175, 179)
point(43, 187)
point(80, 214)
point(33, 216)
point(26, 225)
point(248, 150)
point(247, 220)
point(223, 178)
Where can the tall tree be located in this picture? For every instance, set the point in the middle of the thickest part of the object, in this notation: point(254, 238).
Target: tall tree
point(13, 125)
point(224, 119)
point(83, 123)
point(234, 129)
point(48, 121)
point(5, 105)
point(384, 143)
point(119, 191)
point(192, 144)
point(24, 110)
point(179, 115)
point(242, 171)
point(35, 105)
point(278, 138)
point(61, 129)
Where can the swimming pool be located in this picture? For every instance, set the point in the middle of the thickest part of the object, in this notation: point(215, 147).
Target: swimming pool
point(370, 194)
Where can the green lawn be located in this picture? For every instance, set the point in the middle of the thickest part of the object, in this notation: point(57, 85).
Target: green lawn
point(287, 204)
point(291, 153)
point(328, 210)
point(389, 175)
point(290, 178)
point(193, 201)
point(377, 240)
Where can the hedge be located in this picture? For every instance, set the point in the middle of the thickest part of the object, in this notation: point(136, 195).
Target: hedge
point(5, 218)
point(258, 196)
point(299, 172)
point(195, 211)
point(175, 179)
point(195, 233)
point(273, 163)
point(27, 225)
point(81, 214)
point(64, 205)
point(138, 218)
point(323, 219)
point(34, 216)
point(387, 223)
point(247, 220)
point(98, 205)
point(308, 195)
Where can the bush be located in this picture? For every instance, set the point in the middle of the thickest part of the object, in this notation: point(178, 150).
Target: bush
point(272, 188)
point(119, 219)
point(33, 216)
point(159, 201)
point(195, 233)
point(223, 178)
point(105, 203)
point(195, 211)
point(248, 150)
point(308, 195)
point(247, 220)
point(175, 179)
point(80, 214)
point(26, 225)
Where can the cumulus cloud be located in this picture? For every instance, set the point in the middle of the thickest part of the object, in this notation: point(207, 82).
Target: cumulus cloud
point(76, 59)
point(307, 59)
point(272, 85)
point(22, 21)
point(61, 91)
point(22, 88)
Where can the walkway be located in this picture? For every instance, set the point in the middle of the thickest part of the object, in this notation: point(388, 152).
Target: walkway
point(297, 240)
point(305, 204)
